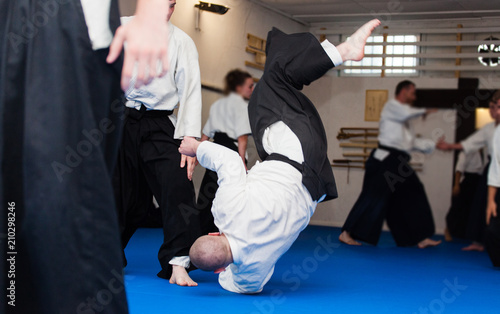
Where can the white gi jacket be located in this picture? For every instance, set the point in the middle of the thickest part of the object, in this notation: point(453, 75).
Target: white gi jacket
point(228, 115)
point(179, 88)
point(395, 130)
point(261, 213)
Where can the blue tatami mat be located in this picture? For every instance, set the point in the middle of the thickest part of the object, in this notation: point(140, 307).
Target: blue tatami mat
point(319, 275)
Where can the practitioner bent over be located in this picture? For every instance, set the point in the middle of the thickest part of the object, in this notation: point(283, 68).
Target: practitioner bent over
point(260, 214)
point(391, 188)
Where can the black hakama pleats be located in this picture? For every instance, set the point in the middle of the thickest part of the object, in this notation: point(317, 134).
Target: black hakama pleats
point(458, 215)
point(477, 218)
point(148, 164)
point(492, 235)
point(391, 191)
point(61, 107)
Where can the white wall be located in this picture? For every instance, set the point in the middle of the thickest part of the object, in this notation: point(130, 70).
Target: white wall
point(341, 102)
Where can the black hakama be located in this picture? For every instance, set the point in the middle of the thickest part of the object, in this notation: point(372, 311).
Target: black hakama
point(458, 215)
point(292, 62)
point(392, 191)
point(60, 105)
point(209, 187)
point(492, 235)
point(477, 218)
point(148, 164)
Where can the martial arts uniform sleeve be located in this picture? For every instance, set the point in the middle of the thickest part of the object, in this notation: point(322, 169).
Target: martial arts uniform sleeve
point(188, 82)
point(227, 163)
point(401, 113)
point(460, 167)
point(494, 171)
point(332, 52)
point(125, 19)
point(241, 122)
point(424, 145)
point(96, 14)
point(208, 129)
point(251, 282)
point(475, 142)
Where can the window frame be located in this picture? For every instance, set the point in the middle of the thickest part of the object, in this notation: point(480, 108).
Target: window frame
point(377, 72)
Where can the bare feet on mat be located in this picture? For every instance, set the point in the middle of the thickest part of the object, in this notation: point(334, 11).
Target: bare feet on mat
point(475, 246)
point(428, 243)
point(354, 47)
point(447, 235)
point(346, 238)
point(181, 277)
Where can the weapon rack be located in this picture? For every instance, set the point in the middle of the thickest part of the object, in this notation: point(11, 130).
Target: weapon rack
point(359, 143)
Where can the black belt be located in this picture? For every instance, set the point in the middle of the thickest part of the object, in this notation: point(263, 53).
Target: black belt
point(471, 173)
point(283, 158)
point(137, 114)
point(224, 140)
point(394, 150)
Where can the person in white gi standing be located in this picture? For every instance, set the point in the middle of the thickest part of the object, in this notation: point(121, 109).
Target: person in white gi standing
point(149, 162)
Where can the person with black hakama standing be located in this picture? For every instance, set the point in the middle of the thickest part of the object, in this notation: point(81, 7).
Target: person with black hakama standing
point(228, 125)
point(261, 213)
point(61, 107)
point(482, 138)
point(391, 189)
point(468, 172)
point(149, 163)
point(492, 234)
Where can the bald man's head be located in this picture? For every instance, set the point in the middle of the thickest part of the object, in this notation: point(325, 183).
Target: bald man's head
point(210, 253)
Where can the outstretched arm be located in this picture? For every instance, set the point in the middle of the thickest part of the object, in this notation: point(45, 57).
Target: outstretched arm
point(442, 145)
point(473, 143)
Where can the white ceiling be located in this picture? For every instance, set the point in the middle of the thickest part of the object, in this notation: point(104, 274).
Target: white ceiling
point(327, 11)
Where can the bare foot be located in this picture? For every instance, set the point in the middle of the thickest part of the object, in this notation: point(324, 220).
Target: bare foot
point(346, 238)
point(427, 243)
point(475, 246)
point(354, 47)
point(447, 235)
point(181, 277)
